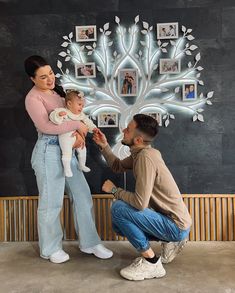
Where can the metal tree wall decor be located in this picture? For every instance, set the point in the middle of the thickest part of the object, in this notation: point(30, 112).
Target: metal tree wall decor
point(163, 67)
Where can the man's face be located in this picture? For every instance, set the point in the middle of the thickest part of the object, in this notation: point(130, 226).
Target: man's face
point(129, 134)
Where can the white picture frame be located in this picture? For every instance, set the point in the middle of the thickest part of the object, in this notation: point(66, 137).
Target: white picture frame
point(189, 91)
point(127, 82)
point(169, 66)
point(169, 30)
point(107, 119)
point(85, 33)
point(85, 70)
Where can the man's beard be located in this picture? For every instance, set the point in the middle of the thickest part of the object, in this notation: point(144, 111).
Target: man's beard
point(131, 143)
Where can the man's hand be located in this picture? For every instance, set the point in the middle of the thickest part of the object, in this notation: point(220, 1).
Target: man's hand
point(99, 138)
point(80, 140)
point(107, 186)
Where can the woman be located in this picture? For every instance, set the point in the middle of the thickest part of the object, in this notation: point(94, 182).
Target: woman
point(43, 98)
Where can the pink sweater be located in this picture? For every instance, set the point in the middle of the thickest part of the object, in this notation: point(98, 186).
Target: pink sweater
point(39, 105)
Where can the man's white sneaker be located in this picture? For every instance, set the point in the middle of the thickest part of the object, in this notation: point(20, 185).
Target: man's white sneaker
point(171, 249)
point(141, 269)
point(57, 257)
point(99, 251)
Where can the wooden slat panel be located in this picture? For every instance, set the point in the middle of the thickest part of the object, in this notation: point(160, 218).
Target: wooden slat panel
point(218, 218)
point(233, 213)
point(207, 219)
point(201, 218)
point(196, 219)
point(2, 220)
point(224, 219)
point(191, 234)
point(229, 219)
point(212, 222)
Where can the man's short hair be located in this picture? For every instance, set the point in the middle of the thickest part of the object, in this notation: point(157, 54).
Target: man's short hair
point(147, 125)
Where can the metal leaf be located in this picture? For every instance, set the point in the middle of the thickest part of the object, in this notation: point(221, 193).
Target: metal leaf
point(59, 64)
point(193, 47)
point(200, 117)
point(106, 26)
point(201, 82)
point(101, 30)
point(198, 57)
point(151, 28)
point(107, 33)
point(159, 43)
point(110, 43)
point(59, 75)
point(155, 66)
point(200, 68)
point(177, 89)
point(198, 75)
point(164, 44)
point(99, 68)
point(172, 43)
point(145, 25)
point(189, 65)
point(117, 19)
point(208, 102)
point(164, 117)
point(144, 32)
point(89, 47)
point(200, 110)
point(65, 37)
point(114, 53)
point(62, 54)
point(210, 95)
point(172, 116)
point(142, 43)
point(188, 52)
point(71, 35)
point(194, 118)
point(183, 29)
point(201, 95)
point(94, 45)
point(164, 50)
point(189, 30)
point(64, 44)
point(67, 58)
point(167, 122)
point(137, 18)
point(190, 37)
point(67, 71)
point(89, 53)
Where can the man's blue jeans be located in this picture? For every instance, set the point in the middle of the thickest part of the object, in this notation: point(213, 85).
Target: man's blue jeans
point(142, 226)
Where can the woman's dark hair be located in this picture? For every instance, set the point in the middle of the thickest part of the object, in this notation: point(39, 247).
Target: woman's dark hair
point(33, 63)
point(146, 124)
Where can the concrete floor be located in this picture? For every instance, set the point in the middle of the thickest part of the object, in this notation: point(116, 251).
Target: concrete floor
point(201, 267)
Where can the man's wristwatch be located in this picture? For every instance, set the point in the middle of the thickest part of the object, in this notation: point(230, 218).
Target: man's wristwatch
point(114, 190)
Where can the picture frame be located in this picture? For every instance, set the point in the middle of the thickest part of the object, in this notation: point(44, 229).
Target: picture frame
point(127, 82)
point(169, 66)
point(85, 33)
point(108, 119)
point(189, 91)
point(157, 116)
point(169, 30)
point(85, 70)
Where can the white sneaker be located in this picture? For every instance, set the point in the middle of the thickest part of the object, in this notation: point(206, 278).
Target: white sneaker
point(141, 269)
point(171, 249)
point(99, 251)
point(57, 257)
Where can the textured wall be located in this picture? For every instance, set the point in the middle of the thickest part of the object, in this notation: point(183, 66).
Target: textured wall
point(201, 156)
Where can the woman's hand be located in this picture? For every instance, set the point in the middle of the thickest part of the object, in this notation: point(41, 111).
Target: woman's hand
point(83, 129)
point(80, 140)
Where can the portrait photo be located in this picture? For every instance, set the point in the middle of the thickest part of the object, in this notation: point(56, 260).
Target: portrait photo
point(86, 70)
point(169, 66)
point(189, 91)
point(85, 33)
point(127, 82)
point(108, 119)
point(157, 116)
point(167, 30)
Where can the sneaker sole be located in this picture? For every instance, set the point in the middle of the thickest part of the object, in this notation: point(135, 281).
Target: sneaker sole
point(59, 261)
point(171, 258)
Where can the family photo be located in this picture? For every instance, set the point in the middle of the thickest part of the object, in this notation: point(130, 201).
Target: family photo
point(108, 119)
point(189, 91)
point(171, 66)
point(127, 82)
point(86, 70)
point(167, 30)
point(85, 33)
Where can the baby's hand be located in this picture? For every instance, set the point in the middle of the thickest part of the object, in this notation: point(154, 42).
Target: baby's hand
point(62, 113)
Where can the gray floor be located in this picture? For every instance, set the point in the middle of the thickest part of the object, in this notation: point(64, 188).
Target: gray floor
point(201, 267)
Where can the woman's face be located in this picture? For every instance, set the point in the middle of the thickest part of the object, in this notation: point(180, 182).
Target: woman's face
point(44, 78)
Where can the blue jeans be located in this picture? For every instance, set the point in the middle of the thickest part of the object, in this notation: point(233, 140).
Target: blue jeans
point(142, 226)
point(51, 182)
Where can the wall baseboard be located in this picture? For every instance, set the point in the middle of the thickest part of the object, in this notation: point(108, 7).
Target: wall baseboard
point(213, 217)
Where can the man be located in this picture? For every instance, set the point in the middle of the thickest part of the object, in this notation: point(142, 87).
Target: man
point(155, 211)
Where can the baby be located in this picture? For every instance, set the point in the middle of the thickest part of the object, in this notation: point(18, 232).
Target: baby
point(74, 103)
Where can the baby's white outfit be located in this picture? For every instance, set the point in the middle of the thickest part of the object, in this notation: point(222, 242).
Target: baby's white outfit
point(66, 140)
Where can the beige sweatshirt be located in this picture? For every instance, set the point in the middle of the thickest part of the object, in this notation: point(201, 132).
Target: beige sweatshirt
point(155, 187)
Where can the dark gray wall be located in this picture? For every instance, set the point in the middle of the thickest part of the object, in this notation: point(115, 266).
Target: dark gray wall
point(201, 156)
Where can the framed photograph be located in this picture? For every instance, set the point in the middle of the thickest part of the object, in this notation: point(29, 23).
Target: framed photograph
point(157, 116)
point(86, 70)
point(108, 119)
point(169, 66)
point(127, 82)
point(189, 91)
point(85, 33)
point(167, 30)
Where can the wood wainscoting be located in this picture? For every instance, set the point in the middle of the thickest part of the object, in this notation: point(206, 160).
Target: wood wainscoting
point(213, 217)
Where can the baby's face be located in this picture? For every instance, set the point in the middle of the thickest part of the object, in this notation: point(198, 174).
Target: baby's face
point(76, 105)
